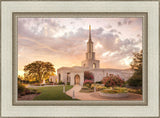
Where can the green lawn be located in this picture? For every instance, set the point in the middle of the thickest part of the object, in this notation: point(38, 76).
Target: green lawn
point(53, 93)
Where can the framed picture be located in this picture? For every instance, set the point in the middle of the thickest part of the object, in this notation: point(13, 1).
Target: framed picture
point(80, 59)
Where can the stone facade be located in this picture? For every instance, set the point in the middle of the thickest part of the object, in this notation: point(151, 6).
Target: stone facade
point(75, 75)
point(68, 74)
point(53, 79)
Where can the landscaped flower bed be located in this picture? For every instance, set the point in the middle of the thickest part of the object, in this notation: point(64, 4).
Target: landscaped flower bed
point(88, 83)
point(22, 90)
point(86, 89)
point(137, 91)
point(90, 88)
point(116, 95)
point(117, 92)
point(98, 87)
point(113, 81)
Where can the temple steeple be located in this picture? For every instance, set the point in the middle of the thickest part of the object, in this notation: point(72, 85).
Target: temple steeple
point(90, 61)
point(90, 33)
point(89, 43)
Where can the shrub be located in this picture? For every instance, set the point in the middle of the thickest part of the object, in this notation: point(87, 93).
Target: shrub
point(60, 82)
point(27, 91)
point(88, 83)
point(21, 87)
point(112, 81)
point(88, 75)
point(137, 91)
point(39, 84)
point(115, 90)
point(22, 93)
point(98, 87)
point(42, 84)
point(99, 82)
point(38, 92)
point(50, 83)
point(68, 83)
point(135, 80)
point(33, 91)
point(85, 89)
point(36, 84)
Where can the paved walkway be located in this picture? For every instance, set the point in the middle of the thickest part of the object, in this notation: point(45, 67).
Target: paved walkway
point(96, 96)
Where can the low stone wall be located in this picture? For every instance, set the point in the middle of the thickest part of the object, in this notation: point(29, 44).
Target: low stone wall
point(116, 95)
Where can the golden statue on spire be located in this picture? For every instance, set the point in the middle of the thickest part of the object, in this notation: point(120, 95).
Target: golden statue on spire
point(90, 33)
point(89, 27)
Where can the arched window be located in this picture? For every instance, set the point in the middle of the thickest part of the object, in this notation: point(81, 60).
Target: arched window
point(68, 77)
point(77, 79)
point(94, 65)
point(59, 77)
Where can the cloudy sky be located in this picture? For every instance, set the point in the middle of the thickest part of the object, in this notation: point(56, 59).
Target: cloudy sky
point(62, 41)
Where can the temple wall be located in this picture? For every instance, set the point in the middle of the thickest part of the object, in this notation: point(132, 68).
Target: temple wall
point(98, 74)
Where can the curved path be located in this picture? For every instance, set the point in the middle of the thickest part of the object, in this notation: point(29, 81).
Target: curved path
point(96, 96)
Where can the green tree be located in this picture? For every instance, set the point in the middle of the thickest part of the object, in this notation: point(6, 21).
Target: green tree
point(136, 65)
point(38, 70)
point(20, 78)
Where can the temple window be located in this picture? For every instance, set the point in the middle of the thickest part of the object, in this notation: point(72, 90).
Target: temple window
point(94, 65)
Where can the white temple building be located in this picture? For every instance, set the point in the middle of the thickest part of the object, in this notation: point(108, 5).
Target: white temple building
point(75, 75)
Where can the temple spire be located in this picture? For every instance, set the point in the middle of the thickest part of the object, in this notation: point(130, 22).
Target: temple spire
point(90, 33)
point(90, 43)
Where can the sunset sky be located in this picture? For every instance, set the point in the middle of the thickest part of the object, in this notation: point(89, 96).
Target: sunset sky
point(62, 41)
